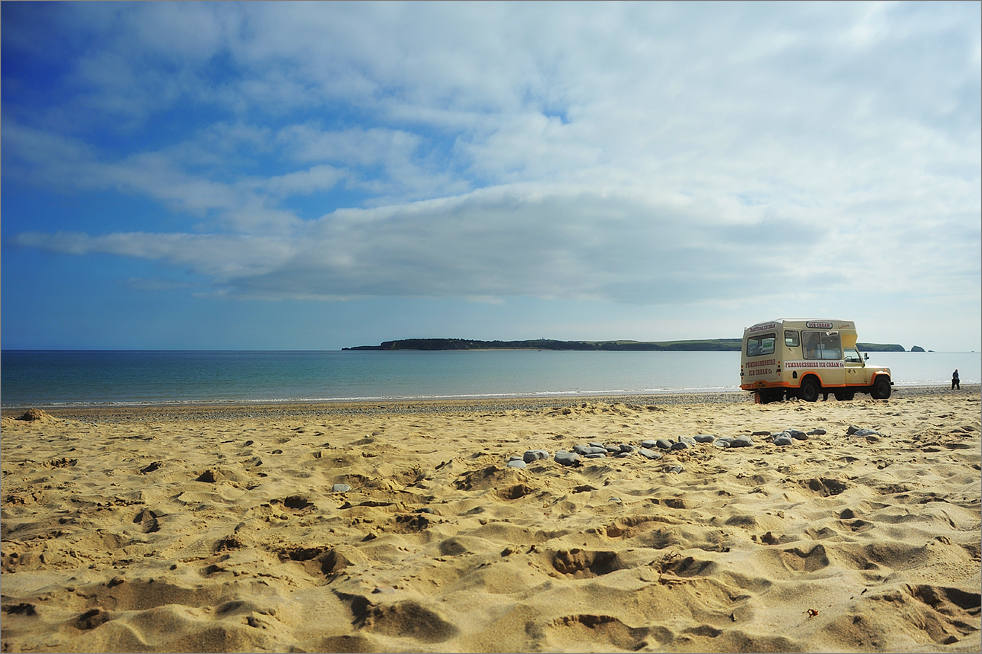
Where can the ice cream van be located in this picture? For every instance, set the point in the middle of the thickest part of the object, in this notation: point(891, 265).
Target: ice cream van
point(808, 358)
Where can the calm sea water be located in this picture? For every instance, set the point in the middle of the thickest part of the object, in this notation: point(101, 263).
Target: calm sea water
point(51, 378)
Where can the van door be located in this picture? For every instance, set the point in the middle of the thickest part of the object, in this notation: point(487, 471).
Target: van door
point(856, 372)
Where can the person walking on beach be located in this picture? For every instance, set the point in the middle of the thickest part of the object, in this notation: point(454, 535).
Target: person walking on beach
point(954, 380)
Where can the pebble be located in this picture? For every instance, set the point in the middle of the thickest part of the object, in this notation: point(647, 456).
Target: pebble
point(664, 443)
point(595, 455)
point(681, 445)
point(613, 449)
point(516, 463)
point(649, 454)
point(628, 448)
point(783, 438)
point(535, 455)
point(649, 444)
point(742, 441)
point(724, 441)
point(866, 432)
point(797, 434)
point(589, 449)
point(597, 445)
point(340, 488)
point(675, 469)
point(704, 438)
point(816, 432)
point(566, 458)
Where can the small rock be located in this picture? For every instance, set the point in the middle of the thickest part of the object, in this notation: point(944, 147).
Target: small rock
point(566, 458)
point(589, 449)
point(613, 449)
point(742, 441)
point(664, 443)
point(679, 446)
point(535, 455)
point(649, 444)
point(724, 441)
point(601, 445)
point(866, 432)
point(783, 439)
point(704, 438)
point(816, 432)
point(340, 488)
point(595, 455)
point(674, 469)
point(649, 454)
point(628, 448)
point(516, 463)
point(797, 434)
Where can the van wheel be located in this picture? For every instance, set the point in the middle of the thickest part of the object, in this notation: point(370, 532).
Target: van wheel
point(881, 388)
point(843, 396)
point(766, 397)
point(809, 390)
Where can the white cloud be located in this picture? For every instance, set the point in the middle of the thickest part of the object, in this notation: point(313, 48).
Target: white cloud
point(642, 152)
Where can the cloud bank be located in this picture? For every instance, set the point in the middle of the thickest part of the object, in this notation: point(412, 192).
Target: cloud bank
point(640, 153)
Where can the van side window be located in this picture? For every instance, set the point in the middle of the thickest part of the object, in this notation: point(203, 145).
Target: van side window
point(791, 338)
point(761, 345)
point(822, 345)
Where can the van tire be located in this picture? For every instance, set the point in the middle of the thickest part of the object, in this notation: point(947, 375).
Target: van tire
point(844, 396)
point(881, 388)
point(809, 389)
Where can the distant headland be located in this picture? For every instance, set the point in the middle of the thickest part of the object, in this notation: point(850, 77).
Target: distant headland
point(706, 345)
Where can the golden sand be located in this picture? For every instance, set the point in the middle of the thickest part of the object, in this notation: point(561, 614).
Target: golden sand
point(220, 529)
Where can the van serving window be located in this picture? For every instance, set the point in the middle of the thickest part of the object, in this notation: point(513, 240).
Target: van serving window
point(791, 338)
point(761, 345)
point(822, 345)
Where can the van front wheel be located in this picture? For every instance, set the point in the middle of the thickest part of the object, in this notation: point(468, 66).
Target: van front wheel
point(809, 390)
point(881, 388)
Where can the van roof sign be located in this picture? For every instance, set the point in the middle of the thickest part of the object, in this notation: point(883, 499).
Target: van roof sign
point(818, 325)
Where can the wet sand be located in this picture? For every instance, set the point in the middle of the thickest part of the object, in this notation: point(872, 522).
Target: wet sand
point(400, 526)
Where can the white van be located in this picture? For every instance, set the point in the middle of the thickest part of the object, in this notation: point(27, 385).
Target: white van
point(808, 358)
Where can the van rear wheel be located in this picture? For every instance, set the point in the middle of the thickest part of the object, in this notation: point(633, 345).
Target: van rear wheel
point(809, 390)
point(845, 395)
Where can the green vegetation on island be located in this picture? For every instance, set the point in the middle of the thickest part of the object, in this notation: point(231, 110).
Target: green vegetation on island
point(705, 345)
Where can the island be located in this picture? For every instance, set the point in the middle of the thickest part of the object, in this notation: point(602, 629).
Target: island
point(705, 345)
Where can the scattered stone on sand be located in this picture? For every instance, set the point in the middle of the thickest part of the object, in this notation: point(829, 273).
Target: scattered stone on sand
point(674, 469)
point(535, 455)
point(797, 434)
point(861, 431)
point(784, 438)
point(816, 432)
point(589, 449)
point(724, 441)
point(742, 441)
point(681, 445)
point(566, 458)
point(649, 444)
point(516, 463)
point(704, 438)
point(664, 443)
point(649, 454)
point(340, 488)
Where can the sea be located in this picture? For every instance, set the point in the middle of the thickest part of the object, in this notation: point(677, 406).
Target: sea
point(93, 378)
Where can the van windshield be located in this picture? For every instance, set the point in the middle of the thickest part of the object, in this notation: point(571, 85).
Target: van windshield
point(821, 345)
point(761, 345)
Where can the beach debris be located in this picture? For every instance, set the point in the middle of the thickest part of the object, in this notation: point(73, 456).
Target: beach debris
point(811, 613)
point(724, 441)
point(704, 438)
point(816, 432)
point(152, 467)
point(649, 454)
point(674, 469)
point(858, 431)
point(681, 445)
point(649, 444)
point(783, 438)
point(586, 450)
point(796, 434)
point(516, 463)
point(340, 488)
point(628, 448)
point(742, 441)
point(566, 458)
point(663, 443)
point(33, 414)
point(534, 455)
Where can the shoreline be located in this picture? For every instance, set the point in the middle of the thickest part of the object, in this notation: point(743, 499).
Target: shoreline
point(234, 409)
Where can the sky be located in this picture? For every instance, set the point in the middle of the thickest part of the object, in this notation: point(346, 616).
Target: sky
point(324, 175)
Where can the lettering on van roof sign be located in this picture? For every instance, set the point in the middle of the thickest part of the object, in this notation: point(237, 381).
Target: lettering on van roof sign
point(788, 365)
point(764, 326)
point(819, 325)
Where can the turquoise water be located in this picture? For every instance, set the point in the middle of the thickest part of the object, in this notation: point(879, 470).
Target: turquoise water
point(54, 378)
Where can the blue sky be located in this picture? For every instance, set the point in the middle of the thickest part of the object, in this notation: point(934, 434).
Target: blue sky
point(321, 175)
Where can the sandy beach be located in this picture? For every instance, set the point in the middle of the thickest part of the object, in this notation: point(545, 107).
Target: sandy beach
point(391, 527)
